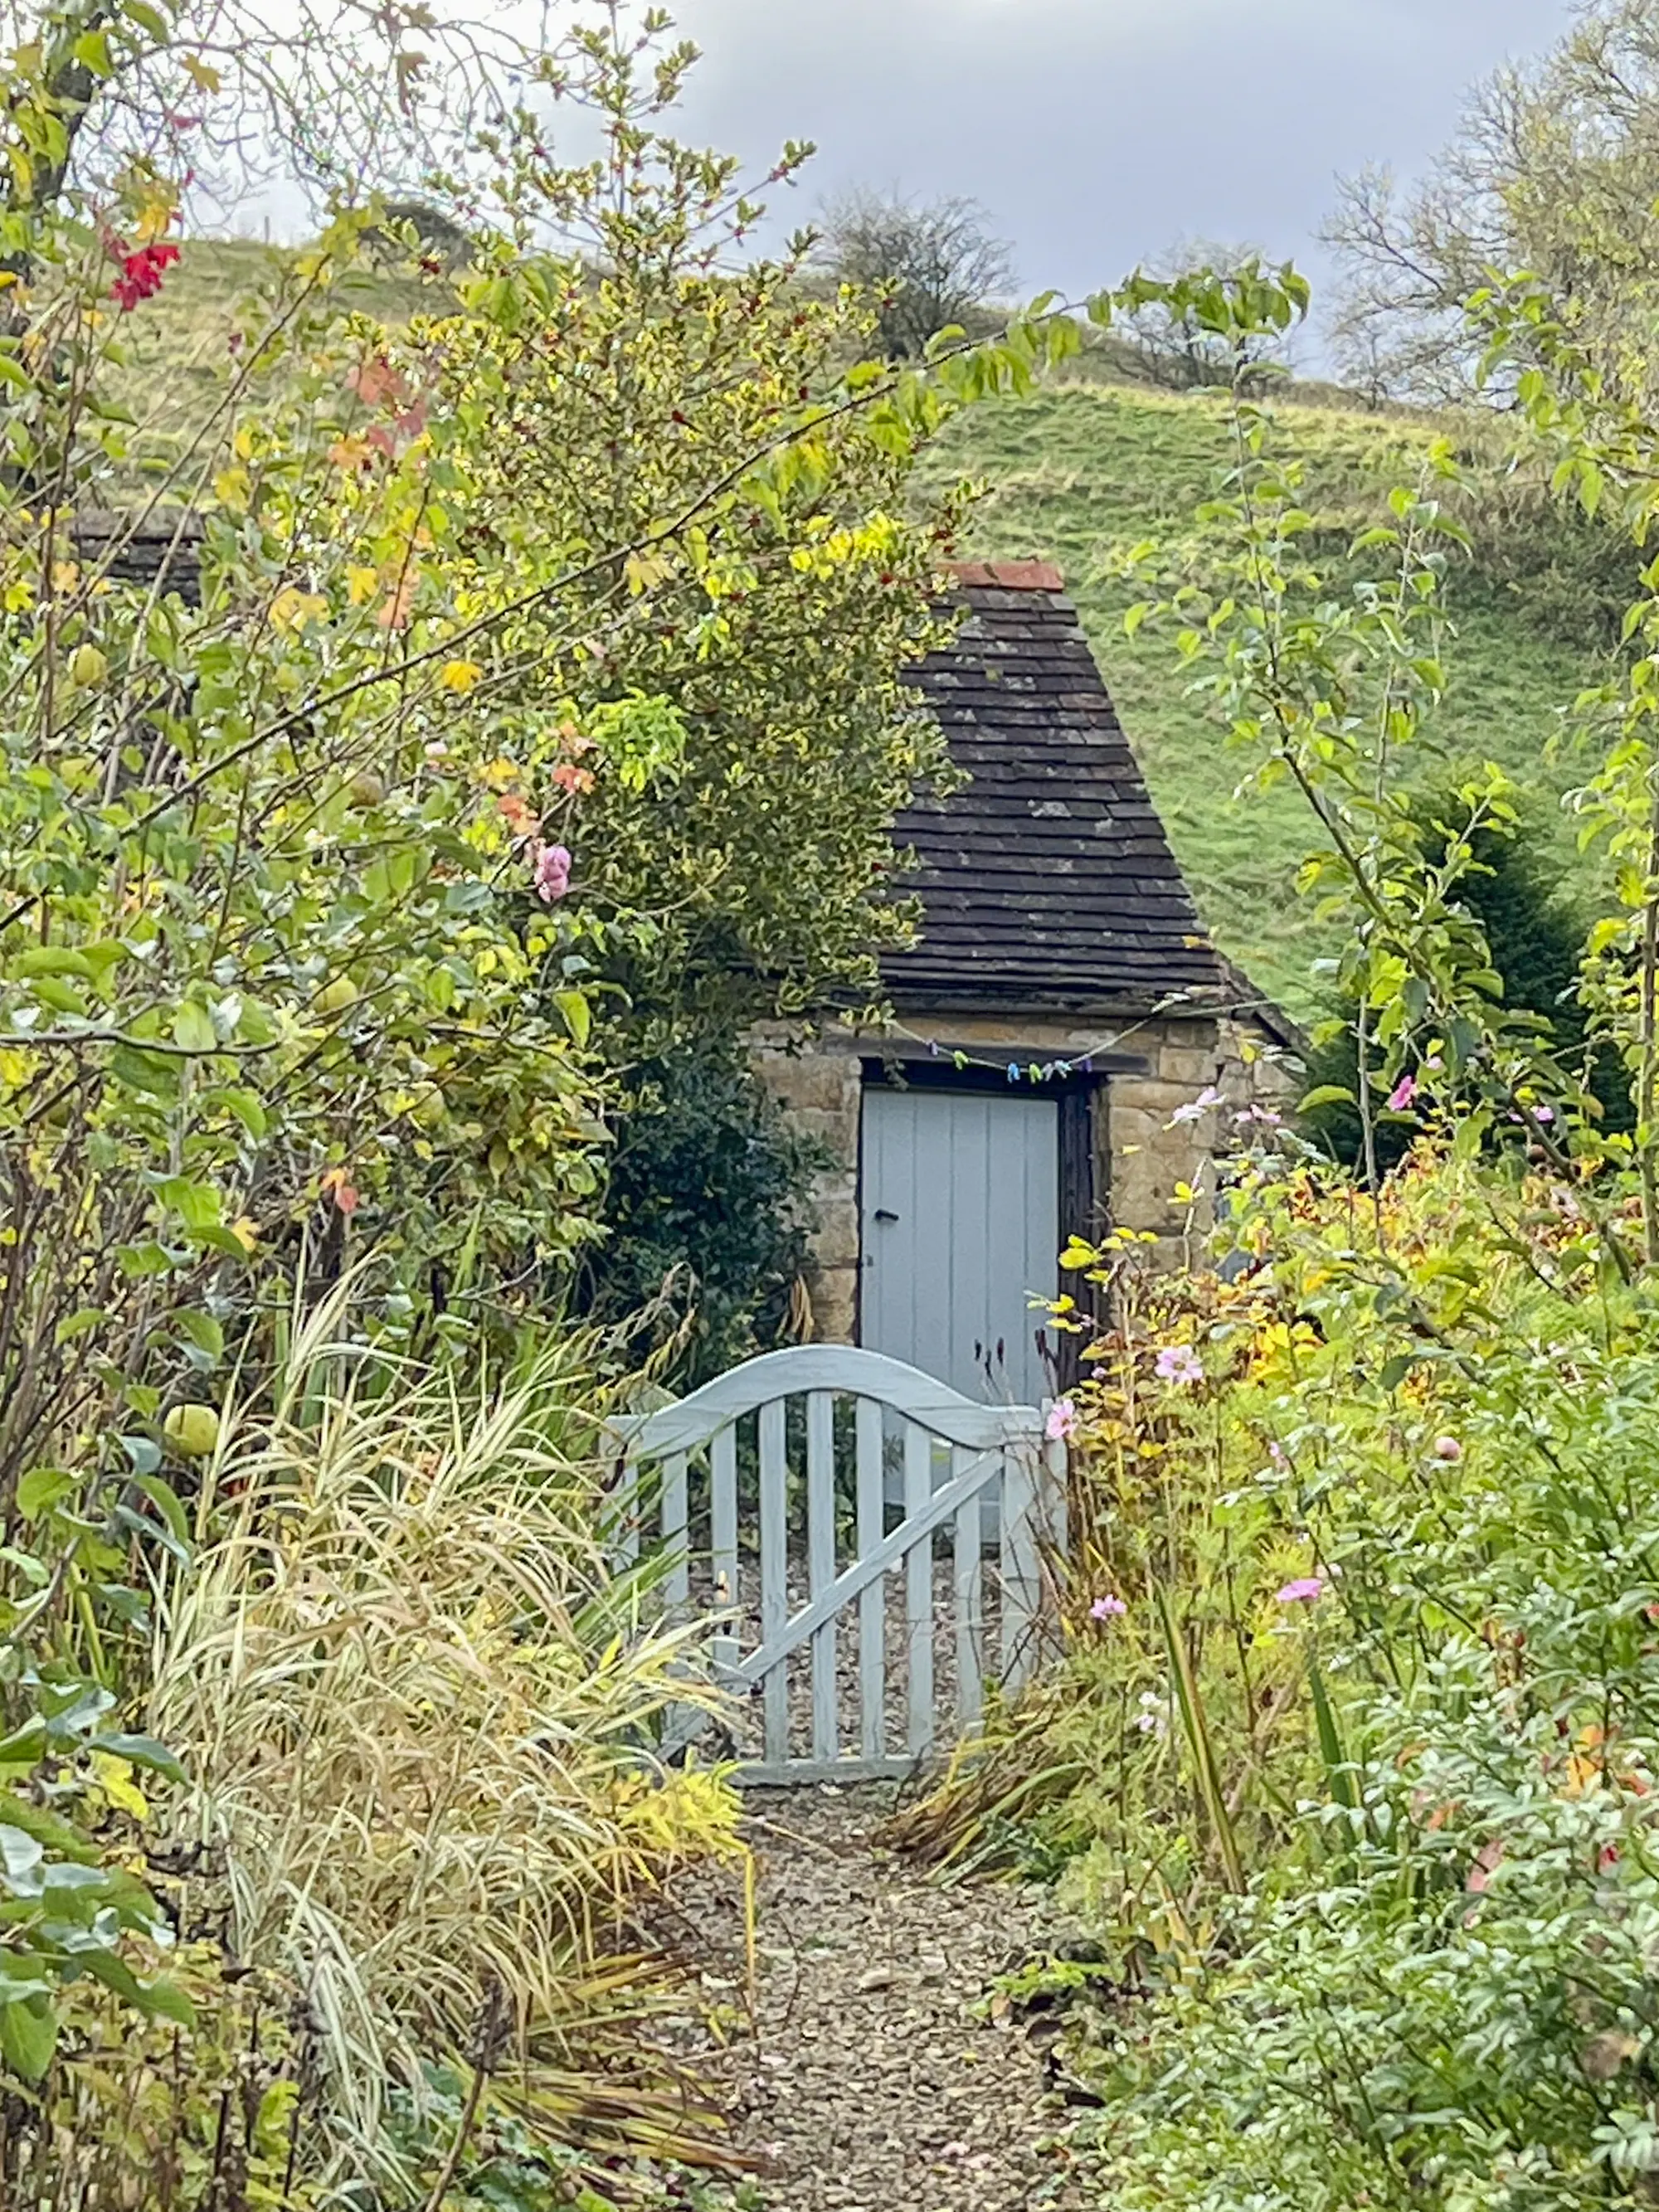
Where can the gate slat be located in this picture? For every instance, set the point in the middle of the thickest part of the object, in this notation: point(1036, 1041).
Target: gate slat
point(821, 1561)
point(625, 1509)
point(919, 1593)
point(677, 1582)
point(775, 1573)
point(969, 1584)
point(872, 1600)
point(723, 1539)
point(1022, 1590)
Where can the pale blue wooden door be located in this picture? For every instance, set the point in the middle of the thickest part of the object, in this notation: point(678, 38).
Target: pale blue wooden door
point(961, 1229)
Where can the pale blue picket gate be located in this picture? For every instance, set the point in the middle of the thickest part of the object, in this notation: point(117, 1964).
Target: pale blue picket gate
point(983, 1477)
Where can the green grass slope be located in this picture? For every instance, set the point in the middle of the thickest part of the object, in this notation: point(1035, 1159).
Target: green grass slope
point(1082, 468)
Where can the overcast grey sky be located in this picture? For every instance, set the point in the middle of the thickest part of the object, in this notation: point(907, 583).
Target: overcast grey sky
point(1097, 132)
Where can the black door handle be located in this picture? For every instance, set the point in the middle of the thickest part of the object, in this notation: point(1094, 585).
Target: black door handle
point(881, 1214)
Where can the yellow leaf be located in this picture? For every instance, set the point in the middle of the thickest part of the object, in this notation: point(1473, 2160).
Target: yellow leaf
point(114, 1778)
point(1582, 1774)
point(201, 74)
point(361, 584)
point(643, 570)
point(292, 608)
point(153, 218)
point(246, 1233)
point(459, 676)
point(232, 488)
point(500, 773)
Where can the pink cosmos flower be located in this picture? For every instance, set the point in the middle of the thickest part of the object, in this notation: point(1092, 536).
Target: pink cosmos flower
point(1303, 1591)
point(1107, 1608)
point(1448, 1448)
point(1402, 1094)
point(1062, 1423)
point(1179, 1363)
point(551, 875)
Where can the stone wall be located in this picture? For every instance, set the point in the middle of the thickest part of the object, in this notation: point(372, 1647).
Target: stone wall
point(1142, 1153)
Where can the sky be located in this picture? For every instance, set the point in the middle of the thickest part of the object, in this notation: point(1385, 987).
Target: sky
point(1098, 132)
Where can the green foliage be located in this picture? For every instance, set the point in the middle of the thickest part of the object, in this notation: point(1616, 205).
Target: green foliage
point(1438, 1733)
point(212, 2112)
point(440, 1814)
point(1514, 890)
point(707, 1207)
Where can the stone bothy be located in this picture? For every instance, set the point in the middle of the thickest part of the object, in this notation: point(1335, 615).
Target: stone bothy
point(1053, 1027)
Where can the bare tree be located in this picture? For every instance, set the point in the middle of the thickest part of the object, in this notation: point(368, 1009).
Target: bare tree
point(1555, 171)
point(931, 264)
point(1174, 348)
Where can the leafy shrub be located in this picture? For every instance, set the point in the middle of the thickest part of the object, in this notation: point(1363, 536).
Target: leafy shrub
point(209, 2116)
point(708, 1207)
point(1534, 932)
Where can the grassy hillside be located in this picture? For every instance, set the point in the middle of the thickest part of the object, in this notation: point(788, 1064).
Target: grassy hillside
point(1085, 467)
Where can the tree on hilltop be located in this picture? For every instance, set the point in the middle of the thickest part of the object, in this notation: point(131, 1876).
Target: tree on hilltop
point(932, 263)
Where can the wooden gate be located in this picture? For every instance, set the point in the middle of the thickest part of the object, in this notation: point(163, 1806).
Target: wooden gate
point(834, 1504)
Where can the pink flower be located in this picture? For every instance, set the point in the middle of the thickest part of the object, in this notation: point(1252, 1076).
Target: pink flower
point(1062, 1423)
point(1543, 1112)
point(551, 875)
point(1196, 1108)
point(1179, 1363)
point(1486, 1861)
point(1303, 1591)
point(1107, 1608)
point(1448, 1448)
point(1402, 1094)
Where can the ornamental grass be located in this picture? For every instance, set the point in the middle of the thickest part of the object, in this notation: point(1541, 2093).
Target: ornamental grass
point(418, 1710)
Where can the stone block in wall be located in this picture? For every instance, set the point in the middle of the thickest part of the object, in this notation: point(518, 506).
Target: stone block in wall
point(816, 1082)
point(832, 1127)
point(1193, 1067)
point(1152, 1095)
point(835, 1304)
point(836, 1242)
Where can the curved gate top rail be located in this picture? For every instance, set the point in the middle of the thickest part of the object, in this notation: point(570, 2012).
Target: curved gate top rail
point(919, 1448)
point(944, 1412)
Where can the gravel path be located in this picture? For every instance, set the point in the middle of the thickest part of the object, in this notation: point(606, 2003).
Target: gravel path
point(866, 2082)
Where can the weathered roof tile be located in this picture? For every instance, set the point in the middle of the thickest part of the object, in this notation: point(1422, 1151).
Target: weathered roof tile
point(1048, 876)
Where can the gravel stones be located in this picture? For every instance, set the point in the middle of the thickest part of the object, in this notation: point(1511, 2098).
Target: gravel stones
point(866, 2082)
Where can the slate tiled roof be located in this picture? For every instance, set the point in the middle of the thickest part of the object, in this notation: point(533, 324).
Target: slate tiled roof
point(136, 548)
point(1048, 878)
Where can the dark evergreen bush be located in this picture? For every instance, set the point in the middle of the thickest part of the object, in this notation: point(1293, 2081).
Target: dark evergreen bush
point(708, 1212)
point(1535, 933)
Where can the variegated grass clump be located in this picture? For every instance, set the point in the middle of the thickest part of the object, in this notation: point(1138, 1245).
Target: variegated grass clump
point(418, 1708)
